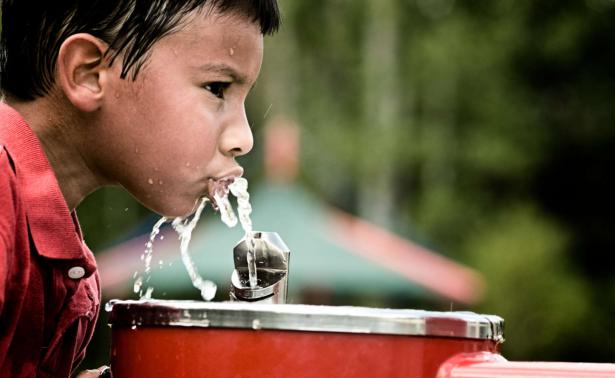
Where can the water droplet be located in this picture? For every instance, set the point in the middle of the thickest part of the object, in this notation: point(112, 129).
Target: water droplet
point(208, 290)
point(231, 51)
point(256, 324)
point(126, 209)
point(137, 285)
point(133, 327)
point(150, 181)
point(108, 306)
point(161, 237)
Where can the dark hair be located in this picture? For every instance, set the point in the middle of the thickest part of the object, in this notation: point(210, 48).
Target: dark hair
point(34, 30)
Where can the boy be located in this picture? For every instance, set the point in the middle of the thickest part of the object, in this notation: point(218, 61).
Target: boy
point(146, 94)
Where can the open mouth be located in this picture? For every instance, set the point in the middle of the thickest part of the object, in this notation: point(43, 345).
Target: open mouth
point(218, 188)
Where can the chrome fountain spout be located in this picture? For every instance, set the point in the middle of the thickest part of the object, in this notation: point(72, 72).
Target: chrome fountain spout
point(272, 261)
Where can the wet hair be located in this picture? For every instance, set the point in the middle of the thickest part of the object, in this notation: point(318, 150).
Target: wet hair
point(34, 30)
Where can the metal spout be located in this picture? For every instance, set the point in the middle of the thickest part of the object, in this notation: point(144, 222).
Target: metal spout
point(272, 261)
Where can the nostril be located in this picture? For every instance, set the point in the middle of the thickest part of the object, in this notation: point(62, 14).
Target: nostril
point(237, 151)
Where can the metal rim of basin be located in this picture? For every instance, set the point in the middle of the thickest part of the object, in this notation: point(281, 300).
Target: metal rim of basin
point(294, 317)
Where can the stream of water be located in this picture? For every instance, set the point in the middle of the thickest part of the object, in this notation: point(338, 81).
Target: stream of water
point(239, 188)
point(184, 228)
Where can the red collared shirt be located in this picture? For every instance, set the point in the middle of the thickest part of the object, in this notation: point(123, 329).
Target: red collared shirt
point(49, 288)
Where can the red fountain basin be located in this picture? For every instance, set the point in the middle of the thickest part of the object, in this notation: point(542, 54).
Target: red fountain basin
point(157, 338)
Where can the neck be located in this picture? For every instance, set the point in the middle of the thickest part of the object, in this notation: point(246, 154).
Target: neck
point(63, 144)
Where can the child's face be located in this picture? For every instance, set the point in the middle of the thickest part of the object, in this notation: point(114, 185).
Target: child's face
point(183, 121)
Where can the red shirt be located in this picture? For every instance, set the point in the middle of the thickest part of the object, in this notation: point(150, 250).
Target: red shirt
point(49, 288)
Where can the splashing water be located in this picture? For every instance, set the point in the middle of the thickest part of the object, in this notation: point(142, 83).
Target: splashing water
point(226, 209)
point(239, 188)
point(184, 228)
point(147, 258)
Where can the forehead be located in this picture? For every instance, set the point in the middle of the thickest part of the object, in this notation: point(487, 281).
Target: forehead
point(205, 37)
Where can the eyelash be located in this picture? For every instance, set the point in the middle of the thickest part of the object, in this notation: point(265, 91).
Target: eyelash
point(217, 88)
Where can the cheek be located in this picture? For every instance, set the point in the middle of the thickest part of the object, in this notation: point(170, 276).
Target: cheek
point(198, 148)
point(166, 124)
point(188, 139)
point(164, 119)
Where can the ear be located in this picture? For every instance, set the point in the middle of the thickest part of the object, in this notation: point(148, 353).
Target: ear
point(82, 70)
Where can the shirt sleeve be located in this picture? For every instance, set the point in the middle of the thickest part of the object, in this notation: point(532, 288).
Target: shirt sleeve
point(7, 220)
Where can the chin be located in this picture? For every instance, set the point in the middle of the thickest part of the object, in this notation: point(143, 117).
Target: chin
point(174, 212)
point(171, 209)
point(181, 209)
point(168, 205)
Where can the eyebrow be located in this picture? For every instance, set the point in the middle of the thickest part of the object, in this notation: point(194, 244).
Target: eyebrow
point(224, 69)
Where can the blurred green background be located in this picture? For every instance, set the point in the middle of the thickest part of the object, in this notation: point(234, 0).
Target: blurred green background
point(483, 128)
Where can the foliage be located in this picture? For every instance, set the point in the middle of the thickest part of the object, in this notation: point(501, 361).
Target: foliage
point(522, 256)
point(485, 127)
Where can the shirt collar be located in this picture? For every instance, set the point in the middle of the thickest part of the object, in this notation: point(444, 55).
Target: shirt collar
point(54, 228)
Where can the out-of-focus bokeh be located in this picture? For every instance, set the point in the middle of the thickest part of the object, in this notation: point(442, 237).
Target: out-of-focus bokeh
point(472, 143)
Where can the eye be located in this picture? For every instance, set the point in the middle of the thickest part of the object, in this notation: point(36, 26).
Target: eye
point(217, 88)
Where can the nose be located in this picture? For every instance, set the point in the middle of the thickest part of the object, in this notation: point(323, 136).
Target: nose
point(237, 139)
